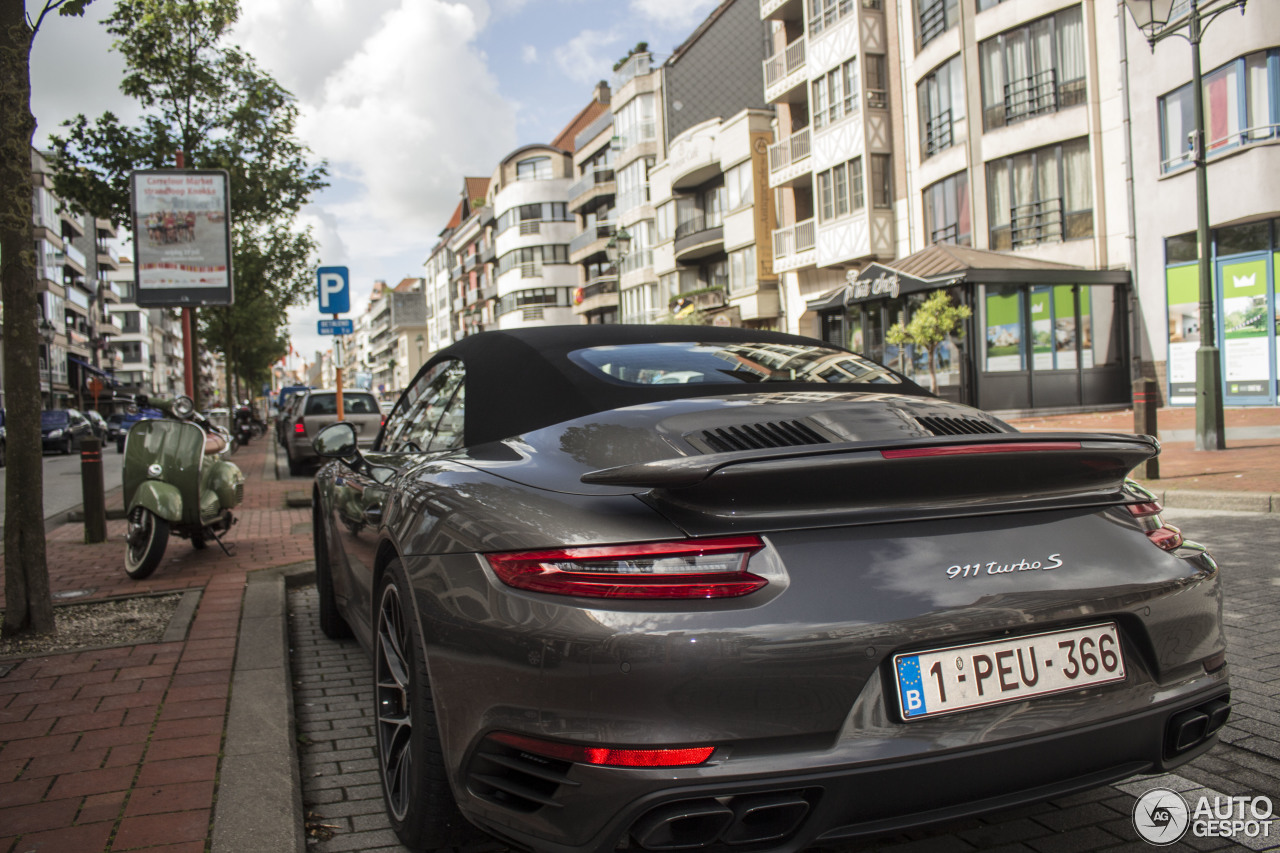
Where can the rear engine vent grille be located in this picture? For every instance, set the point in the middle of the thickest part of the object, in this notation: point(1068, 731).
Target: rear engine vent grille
point(956, 426)
point(515, 779)
point(758, 436)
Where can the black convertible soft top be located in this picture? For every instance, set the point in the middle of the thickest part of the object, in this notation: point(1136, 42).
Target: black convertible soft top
point(519, 380)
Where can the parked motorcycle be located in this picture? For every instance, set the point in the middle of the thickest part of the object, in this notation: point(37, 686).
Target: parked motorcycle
point(177, 480)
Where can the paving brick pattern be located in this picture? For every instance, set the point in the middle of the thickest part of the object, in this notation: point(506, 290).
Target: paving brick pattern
point(118, 749)
point(333, 697)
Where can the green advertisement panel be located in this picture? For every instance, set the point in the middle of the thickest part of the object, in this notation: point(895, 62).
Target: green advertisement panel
point(1183, 288)
point(1004, 330)
point(1246, 333)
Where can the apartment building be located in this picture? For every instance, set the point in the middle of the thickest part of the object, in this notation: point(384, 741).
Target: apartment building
point(592, 202)
point(396, 324)
point(1240, 57)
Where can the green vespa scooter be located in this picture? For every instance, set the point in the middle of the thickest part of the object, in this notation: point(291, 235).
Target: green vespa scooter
point(177, 479)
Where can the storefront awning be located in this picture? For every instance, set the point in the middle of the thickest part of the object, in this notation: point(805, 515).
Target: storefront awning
point(84, 365)
point(942, 265)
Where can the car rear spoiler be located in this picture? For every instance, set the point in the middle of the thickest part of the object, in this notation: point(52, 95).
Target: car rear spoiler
point(877, 480)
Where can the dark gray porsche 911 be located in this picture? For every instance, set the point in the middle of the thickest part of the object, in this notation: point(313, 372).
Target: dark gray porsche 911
point(685, 587)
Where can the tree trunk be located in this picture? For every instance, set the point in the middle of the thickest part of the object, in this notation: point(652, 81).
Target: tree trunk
point(933, 368)
point(28, 605)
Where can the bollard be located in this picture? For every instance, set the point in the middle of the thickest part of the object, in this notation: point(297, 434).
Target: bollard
point(1146, 401)
point(92, 491)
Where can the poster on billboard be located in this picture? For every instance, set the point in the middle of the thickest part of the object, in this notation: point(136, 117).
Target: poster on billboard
point(182, 237)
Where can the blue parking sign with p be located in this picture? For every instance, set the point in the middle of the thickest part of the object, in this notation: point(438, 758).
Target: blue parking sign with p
point(333, 290)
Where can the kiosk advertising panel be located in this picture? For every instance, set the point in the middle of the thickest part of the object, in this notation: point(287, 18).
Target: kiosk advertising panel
point(182, 237)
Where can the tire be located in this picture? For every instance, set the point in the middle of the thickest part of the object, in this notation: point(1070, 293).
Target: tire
point(415, 787)
point(332, 623)
point(144, 543)
point(295, 467)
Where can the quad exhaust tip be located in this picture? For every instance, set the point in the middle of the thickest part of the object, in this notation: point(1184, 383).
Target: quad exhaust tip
point(746, 819)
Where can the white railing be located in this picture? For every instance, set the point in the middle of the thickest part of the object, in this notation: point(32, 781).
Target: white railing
point(794, 239)
point(780, 65)
point(791, 150)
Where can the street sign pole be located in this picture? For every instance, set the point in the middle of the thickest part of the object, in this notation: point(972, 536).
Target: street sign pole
point(333, 292)
point(337, 354)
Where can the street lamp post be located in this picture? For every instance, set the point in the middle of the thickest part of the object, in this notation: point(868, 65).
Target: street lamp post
point(48, 331)
point(1152, 18)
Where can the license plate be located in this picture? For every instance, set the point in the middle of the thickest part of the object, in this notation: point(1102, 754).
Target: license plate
point(944, 681)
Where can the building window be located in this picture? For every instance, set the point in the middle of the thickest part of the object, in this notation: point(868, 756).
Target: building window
point(1241, 106)
point(742, 270)
point(1041, 196)
point(840, 189)
point(835, 94)
point(534, 169)
point(823, 14)
point(530, 216)
point(881, 180)
point(877, 81)
point(633, 184)
point(665, 221)
point(941, 104)
point(530, 259)
point(935, 17)
point(1034, 69)
point(737, 183)
point(634, 123)
point(946, 211)
point(640, 255)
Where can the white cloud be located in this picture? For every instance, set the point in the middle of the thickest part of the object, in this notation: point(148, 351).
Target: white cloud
point(588, 56)
point(529, 54)
point(681, 15)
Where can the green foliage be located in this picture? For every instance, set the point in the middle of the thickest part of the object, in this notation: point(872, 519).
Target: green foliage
point(209, 100)
point(931, 324)
point(641, 47)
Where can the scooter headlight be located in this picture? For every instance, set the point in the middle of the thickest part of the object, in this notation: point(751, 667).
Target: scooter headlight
point(183, 407)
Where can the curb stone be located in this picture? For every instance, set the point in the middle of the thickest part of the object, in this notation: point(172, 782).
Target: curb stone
point(259, 803)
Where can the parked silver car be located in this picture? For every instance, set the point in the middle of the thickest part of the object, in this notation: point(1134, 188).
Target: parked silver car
point(317, 408)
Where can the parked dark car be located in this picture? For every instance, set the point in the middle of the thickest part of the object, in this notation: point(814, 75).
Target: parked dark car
point(790, 598)
point(99, 424)
point(132, 418)
point(114, 421)
point(312, 410)
point(64, 429)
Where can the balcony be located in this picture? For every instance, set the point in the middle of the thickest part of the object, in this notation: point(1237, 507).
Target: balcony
point(599, 293)
point(793, 246)
point(590, 242)
point(591, 186)
point(938, 133)
point(782, 71)
point(635, 66)
point(696, 239)
point(72, 257)
point(789, 159)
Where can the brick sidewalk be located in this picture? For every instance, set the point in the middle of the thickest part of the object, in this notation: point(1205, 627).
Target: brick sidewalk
point(118, 749)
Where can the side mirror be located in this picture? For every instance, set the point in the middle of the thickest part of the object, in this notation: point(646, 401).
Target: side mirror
point(336, 441)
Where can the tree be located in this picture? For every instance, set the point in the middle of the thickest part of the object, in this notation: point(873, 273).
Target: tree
point(931, 324)
point(28, 603)
point(213, 103)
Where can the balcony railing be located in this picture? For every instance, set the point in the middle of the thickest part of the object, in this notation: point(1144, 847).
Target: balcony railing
point(937, 133)
point(635, 66)
point(1030, 96)
point(789, 61)
point(1038, 222)
point(591, 234)
point(794, 239)
point(933, 20)
point(790, 150)
point(945, 234)
point(878, 99)
point(590, 181)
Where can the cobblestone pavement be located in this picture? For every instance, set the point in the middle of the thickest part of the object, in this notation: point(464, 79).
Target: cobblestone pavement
point(341, 793)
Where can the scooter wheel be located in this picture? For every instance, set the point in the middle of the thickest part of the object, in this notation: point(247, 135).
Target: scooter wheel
point(144, 543)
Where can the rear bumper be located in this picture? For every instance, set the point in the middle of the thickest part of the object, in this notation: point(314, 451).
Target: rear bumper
point(801, 809)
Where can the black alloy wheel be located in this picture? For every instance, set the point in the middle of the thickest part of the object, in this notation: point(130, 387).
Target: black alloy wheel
point(415, 786)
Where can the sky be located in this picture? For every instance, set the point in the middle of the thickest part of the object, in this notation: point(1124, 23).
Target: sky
point(401, 98)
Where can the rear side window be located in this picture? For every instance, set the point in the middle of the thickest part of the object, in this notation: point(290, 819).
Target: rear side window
point(420, 413)
point(352, 404)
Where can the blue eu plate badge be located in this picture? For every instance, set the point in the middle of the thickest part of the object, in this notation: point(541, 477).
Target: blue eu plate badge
point(910, 687)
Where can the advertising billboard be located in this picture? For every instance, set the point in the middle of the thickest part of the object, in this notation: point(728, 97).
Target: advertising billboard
point(182, 237)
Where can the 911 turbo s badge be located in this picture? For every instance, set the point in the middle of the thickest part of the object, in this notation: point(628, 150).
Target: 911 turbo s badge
point(972, 570)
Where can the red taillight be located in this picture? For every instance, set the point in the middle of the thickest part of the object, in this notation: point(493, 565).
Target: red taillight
point(689, 568)
point(606, 756)
point(299, 428)
point(966, 449)
point(383, 422)
point(1166, 537)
